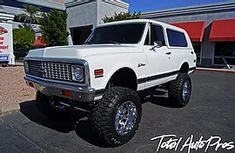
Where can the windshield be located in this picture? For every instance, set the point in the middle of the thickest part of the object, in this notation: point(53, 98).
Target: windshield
point(117, 34)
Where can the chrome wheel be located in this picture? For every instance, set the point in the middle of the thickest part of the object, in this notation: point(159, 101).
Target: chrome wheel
point(56, 105)
point(186, 90)
point(125, 118)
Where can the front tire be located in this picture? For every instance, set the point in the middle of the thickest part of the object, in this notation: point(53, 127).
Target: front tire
point(180, 90)
point(116, 117)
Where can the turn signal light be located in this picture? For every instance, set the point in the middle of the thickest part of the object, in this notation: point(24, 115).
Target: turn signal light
point(67, 93)
point(99, 73)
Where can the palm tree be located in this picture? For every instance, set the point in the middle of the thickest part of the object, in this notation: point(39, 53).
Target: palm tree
point(30, 15)
point(26, 26)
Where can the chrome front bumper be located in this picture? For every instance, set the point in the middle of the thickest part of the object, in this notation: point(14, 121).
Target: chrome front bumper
point(56, 88)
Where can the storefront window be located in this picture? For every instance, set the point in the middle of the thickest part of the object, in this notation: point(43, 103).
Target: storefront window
point(197, 50)
point(224, 53)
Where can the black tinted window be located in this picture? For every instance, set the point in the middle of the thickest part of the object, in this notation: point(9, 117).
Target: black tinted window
point(122, 33)
point(176, 38)
point(157, 34)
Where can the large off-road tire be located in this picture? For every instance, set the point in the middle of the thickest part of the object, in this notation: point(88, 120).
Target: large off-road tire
point(180, 90)
point(117, 115)
point(47, 105)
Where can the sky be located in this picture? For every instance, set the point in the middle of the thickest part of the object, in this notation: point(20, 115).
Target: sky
point(153, 5)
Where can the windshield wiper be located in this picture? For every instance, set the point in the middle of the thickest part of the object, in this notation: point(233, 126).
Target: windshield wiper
point(109, 42)
point(113, 42)
point(89, 42)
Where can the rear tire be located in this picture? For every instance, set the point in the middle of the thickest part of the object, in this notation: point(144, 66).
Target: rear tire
point(180, 90)
point(117, 115)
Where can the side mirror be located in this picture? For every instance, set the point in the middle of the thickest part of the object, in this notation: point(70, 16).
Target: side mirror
point(157, 44)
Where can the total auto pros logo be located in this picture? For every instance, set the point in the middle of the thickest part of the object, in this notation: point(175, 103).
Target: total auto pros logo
point(3, 30)
point(179, 144)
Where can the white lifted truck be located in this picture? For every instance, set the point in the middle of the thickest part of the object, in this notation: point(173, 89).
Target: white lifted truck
point(118, 61)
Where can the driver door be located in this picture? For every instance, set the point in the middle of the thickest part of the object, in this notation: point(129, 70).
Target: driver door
point(158, 56)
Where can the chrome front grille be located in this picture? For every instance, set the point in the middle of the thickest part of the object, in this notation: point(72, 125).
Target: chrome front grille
point(50, 70)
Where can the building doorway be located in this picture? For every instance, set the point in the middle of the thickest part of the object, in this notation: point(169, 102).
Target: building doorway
point(197, 49)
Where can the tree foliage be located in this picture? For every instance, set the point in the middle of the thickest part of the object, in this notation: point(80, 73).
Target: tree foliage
point(122, 16)
point(31, 15)
point(23, 38)
point(26, 26)
point(54, 28)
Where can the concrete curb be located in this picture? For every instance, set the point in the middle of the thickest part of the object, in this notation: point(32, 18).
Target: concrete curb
point(9, 109)
point(215, 70)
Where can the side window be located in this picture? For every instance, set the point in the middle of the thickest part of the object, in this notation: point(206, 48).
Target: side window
point(176, 39)
point(157, 34)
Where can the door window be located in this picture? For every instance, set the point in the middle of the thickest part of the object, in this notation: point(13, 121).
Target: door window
point(157, 35)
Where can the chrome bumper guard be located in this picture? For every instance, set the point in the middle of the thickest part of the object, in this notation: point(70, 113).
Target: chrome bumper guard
point(55, 88)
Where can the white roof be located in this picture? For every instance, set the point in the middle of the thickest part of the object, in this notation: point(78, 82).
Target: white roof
point(142, 21)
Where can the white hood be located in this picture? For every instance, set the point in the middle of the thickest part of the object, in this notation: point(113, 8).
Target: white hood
point(81, 51)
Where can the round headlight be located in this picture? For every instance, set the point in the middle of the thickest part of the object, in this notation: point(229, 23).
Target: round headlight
point(77, 73)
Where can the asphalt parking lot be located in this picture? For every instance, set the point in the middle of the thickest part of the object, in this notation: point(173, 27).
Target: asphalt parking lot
point(211, 112)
